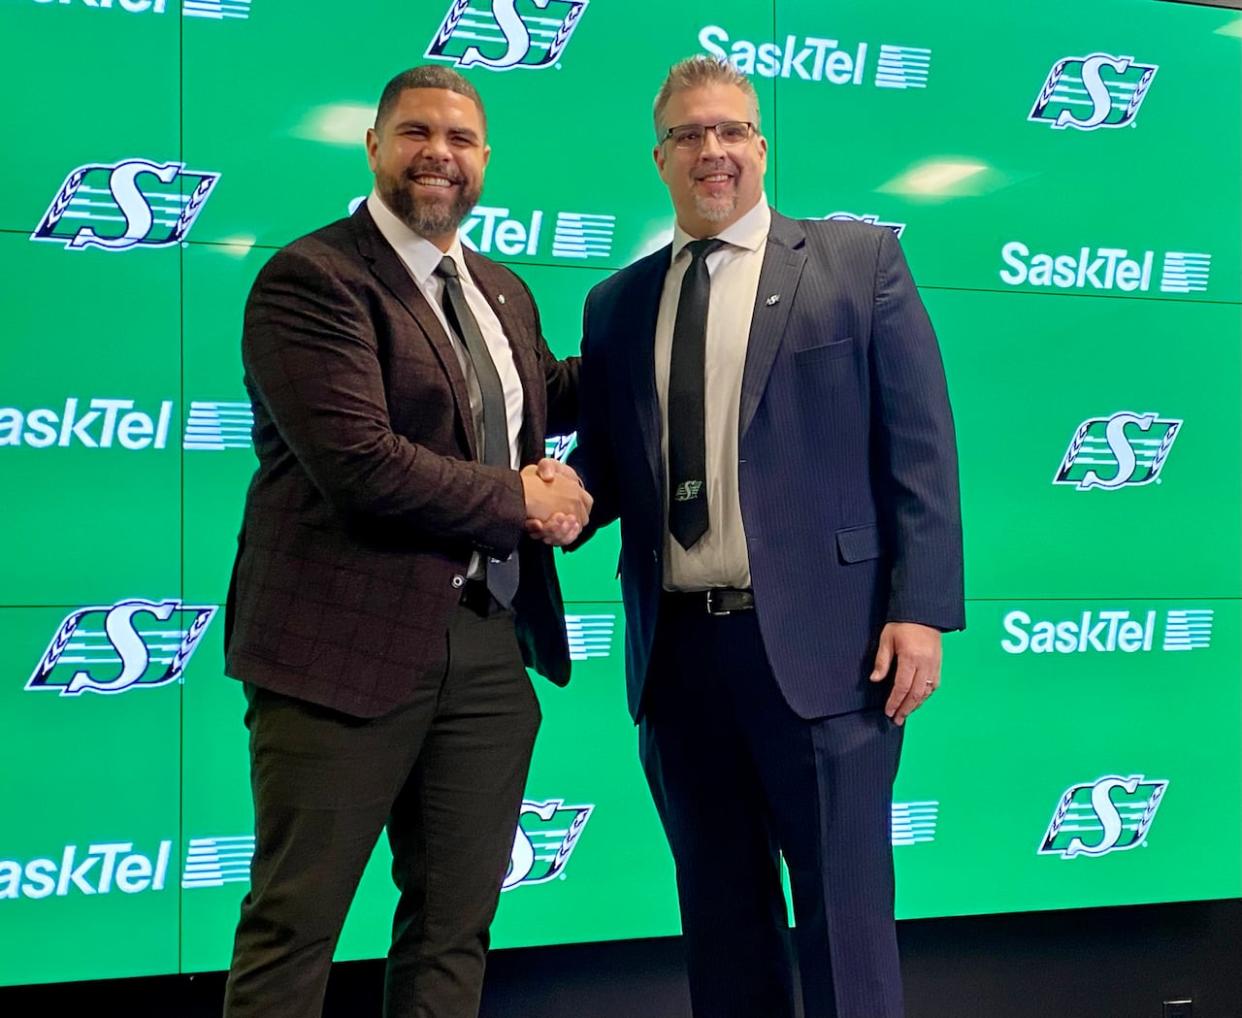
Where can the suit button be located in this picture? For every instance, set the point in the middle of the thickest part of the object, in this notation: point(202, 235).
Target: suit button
point(458, 582)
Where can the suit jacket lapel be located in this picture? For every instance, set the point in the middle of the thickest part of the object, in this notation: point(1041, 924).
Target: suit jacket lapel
point(387, 267)
point(783, 261)
point(645, 294)
point(518, 329)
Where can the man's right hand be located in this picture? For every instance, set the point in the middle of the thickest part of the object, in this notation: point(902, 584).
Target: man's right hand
point(555, 495)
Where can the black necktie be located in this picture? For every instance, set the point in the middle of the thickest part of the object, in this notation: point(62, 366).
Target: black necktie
point(687, 453)
point(502, 577)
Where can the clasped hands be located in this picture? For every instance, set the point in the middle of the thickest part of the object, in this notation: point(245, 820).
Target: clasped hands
point(557, 505)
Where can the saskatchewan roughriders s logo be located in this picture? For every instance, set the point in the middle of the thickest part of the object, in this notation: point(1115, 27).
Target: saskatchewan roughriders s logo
point(132, 203)
point(503, 34)
point(547, 835)
point(112, 648)
point(1109, 814)
point(1091, 92)
point(850, 217)
point(1124, 450)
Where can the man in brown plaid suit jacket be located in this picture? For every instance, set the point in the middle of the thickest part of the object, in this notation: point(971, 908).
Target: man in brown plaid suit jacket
point(386, 591)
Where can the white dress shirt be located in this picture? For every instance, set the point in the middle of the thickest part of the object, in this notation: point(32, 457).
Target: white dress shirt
point(421, 257)
point(719, 557)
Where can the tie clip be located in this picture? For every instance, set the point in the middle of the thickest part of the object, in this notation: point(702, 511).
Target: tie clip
point(773, 299)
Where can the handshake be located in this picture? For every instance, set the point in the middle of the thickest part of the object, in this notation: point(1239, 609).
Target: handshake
point(557, 505)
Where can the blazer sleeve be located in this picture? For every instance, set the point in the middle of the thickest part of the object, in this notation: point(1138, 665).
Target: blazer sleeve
point(593, 457)
point(312, 359)
point(917, 451)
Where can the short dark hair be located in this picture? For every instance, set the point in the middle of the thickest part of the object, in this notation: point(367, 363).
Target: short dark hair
point(427, 76)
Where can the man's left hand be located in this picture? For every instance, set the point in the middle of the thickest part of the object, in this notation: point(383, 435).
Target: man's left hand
point(917, 651)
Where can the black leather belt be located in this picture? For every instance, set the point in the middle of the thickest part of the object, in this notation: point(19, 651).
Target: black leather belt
point(716, 601)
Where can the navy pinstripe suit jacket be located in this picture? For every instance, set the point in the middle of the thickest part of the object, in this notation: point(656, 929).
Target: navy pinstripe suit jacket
point(847, 457)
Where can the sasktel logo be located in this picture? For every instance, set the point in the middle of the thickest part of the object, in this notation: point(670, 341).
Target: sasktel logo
point(106, 423)
point(1091, 92)
point(812, 58)
point(100, 868)
point(214, 10)
point(1105, 268)
point(491, 229)
point(577, 235)
point(504, 35)
point(114, 648)
point(1109, 631)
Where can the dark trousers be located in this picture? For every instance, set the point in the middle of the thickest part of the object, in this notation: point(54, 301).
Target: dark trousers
point(445, 774)
point(739, 780)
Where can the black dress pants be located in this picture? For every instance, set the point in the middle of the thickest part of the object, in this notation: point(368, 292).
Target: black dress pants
point(445, 774)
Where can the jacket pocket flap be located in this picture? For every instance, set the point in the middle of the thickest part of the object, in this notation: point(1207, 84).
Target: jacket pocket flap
point(817, 346)
point(859, 543)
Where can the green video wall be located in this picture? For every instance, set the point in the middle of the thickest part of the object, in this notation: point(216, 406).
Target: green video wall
point(1064, 180)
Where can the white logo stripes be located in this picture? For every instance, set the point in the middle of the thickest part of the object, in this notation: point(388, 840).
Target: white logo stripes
point(1185, 272)
point(903, 67)
point(216, 425)
point(590, 636)
point(214, 862)
point(216, 10)
point(914, 823)
point(583, 235)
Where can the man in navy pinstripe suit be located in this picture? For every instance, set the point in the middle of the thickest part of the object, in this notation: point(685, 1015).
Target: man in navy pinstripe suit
point(763, 406)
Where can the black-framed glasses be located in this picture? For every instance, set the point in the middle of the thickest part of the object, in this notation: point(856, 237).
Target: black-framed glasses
point(728, 132)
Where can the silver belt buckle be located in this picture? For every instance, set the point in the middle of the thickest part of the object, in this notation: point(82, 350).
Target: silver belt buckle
point(712, 610)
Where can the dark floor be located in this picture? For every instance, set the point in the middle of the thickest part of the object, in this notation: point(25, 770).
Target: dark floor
point(1101, 963)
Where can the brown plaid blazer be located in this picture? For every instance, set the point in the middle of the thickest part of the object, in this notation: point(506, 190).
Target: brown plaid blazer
point(369, 499)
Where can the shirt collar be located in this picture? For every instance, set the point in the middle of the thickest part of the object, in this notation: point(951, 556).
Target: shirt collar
point(749, 232)
point(419, 254)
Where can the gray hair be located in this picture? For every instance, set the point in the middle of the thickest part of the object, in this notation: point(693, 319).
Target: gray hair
point(699, 72)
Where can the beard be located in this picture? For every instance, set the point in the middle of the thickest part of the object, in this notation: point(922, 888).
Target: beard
point(717, 209)
point(428, 217)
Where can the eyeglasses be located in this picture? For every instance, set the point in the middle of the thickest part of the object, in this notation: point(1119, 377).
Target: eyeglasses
point(729, 133)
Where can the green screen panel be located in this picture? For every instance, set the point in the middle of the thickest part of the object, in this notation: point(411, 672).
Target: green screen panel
point(586, 800)
point(937, 138)
point(935, 128)
point(218, 455)
point(216, 808)
point(543, 121)
point(217, 452)
point(1041, 699)
point(1035, 380)
point(69, 119)
point(89, 428)
point(89, 856)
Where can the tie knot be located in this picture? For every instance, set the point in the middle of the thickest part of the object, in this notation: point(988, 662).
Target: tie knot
point(702, 248)
point(447, 268)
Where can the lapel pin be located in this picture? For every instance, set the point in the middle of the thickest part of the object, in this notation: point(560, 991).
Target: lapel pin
point(500, 297)
point(773, 299)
